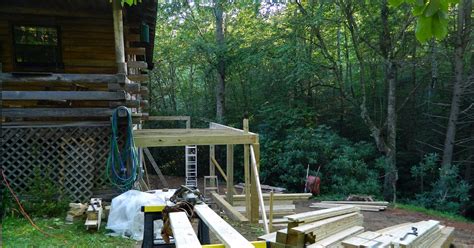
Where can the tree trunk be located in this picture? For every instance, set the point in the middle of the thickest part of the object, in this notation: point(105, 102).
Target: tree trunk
point(462, 39)
point(391, 172)
point(220, 87)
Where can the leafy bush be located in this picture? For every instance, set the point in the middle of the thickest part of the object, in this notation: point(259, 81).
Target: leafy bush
point(290, 145)
point(447, 192)
point(44, 197)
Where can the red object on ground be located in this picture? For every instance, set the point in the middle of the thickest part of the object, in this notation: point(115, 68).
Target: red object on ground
point(312, 184)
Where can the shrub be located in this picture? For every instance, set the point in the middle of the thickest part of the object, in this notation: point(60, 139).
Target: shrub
point(43, 197)
point(290, 144)
point(448, 192)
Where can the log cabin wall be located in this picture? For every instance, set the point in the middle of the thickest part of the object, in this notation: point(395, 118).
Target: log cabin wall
point(87, 43)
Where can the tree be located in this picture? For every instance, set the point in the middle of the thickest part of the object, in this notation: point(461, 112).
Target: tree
point(220, 56)
point(462, 41)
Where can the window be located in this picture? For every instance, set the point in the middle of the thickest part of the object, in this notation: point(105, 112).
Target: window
point(36, 46)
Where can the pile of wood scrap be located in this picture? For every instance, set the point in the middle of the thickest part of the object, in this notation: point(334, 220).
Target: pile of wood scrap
point(363, 205)
point(76, 211)
point(420, 234)
point(320, 228)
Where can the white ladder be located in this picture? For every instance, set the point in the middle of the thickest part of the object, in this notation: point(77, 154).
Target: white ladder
point(191, 165)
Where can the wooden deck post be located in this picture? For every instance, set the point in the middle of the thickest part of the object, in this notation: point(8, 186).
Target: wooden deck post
point(230, 174)
point(212, 167)
point(118, 34)
point(247, 171)
point(254, 190)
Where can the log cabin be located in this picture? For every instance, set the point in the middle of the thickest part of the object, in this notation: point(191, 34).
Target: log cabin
point(65, 66)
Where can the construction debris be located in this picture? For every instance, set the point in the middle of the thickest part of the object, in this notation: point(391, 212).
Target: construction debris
point(76, 211)
point(363, 205)
point(94, 214)
point(420, 234)
point(319, 228)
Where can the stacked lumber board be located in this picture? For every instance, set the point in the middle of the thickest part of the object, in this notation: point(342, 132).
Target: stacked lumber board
point(320, 228)
point(363, 205)
point(420, 234)
point(283, 204)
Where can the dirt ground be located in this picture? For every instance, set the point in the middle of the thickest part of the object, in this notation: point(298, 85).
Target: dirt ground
point(463, 235)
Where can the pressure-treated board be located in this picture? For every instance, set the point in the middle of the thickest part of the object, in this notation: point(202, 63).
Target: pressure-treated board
point(182, 137)
point(322, 228)
point(224, 232)
point(335, 240)
point(445, 238)
point(230, 211)
point(276, 197)
point(183, 232)
point(322, 214)
point(362, 207)
point(377, 203)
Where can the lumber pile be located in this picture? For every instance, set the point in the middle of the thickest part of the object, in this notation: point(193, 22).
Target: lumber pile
point(420, 234)
point(320, 228)
point(374, 206)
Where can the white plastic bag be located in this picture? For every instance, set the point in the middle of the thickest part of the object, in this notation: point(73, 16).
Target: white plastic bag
point(125, 217)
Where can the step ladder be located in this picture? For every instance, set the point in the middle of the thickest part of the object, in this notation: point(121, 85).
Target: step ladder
point(191, 165)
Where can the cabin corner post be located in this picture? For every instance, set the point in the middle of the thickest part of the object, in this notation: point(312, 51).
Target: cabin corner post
point(254, 204)
point(230, 174)
point(212, 167)
point(118, 35)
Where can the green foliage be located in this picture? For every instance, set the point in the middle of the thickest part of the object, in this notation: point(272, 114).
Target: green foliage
point(432, 17)
point(447, 192)
point(44, 196)
point(345, 167)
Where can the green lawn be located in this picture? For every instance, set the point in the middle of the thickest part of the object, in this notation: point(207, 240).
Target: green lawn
point(17, 232)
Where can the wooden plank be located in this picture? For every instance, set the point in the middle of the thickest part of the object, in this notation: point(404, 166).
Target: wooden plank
point(58, 77)
point(63, 95)
point(322, 214)
point(322, 224)
point(445, 239)
point(137, 64)
point(288, 196)
point(255, 158)
point(230, 211)
point(219, 168)
point(362, 207)
point(377, 203)
point(391, 228)
point(183, 232)
point(230, 173)
point(56, 112)
point(117, 17)
point(224, 232)
point(182, 137)
point(155, 166)
point(135, 50)
point(335, 240)
point(169, 118)
point(278, 208)
point(212, 165)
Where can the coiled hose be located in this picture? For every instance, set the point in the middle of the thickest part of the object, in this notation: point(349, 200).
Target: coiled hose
point(118, 158)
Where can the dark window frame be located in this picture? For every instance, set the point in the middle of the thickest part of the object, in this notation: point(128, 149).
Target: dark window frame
point(38, 67)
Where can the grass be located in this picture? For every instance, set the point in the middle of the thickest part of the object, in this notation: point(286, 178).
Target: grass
point(431, 212)
point(17, 232)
